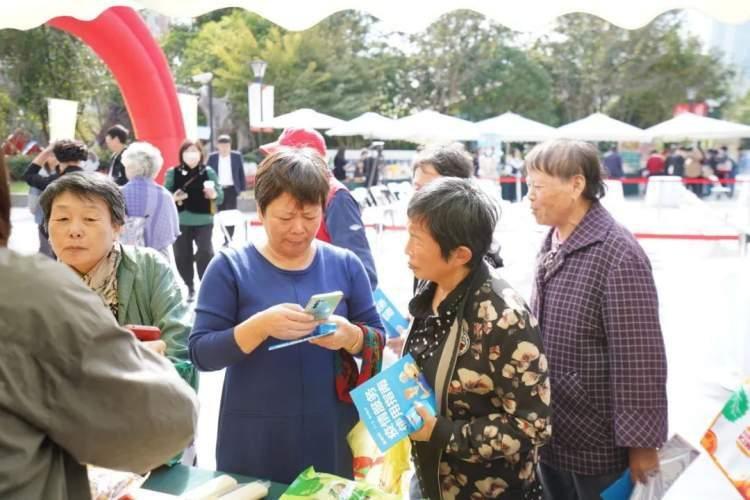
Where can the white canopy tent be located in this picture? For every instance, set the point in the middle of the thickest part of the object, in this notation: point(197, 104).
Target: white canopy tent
point(510, 127)
point(412, 17)
point(369, 125)
point(303, 118)
point(600, 127)
point(426, 127)
point(692, 126)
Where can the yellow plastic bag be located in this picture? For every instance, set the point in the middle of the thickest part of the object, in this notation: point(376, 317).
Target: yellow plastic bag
point(383, 471)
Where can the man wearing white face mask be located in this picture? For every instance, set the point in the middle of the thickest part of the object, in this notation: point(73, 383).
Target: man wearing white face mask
point(197, 193)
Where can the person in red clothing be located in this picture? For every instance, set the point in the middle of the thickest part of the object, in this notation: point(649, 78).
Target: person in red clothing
point(655, 163)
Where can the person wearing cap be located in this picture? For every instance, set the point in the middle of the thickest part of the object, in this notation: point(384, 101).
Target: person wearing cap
point(228, 165)
point(342, 220)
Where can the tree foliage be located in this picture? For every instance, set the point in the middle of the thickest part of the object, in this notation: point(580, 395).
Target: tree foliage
point(633, 75)
point(463, 64)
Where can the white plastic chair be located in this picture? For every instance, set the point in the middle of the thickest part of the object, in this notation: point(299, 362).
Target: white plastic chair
point(226, 218)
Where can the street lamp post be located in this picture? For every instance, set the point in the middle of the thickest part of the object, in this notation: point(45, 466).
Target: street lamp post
point(259, 70)
point(207, 79)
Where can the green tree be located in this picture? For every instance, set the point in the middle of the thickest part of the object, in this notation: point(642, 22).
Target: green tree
point(633, 75)
point(464, 64)
point(328, 67)
point(44, 62)
point(739, 110)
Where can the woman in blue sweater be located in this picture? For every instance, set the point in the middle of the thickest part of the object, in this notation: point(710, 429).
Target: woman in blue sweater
point(284, 410)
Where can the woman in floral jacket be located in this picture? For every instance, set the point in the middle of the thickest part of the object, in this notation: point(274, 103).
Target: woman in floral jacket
point(480, 349)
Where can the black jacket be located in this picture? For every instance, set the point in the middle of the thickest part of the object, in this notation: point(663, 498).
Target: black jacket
point(490, 379)
point(238, 170)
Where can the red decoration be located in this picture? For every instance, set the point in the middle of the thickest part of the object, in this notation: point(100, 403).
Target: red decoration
point(122, 40)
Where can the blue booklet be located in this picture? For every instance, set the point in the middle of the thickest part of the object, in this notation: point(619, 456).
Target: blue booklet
point(393, 320)
point(386, 402)
point(620, 489)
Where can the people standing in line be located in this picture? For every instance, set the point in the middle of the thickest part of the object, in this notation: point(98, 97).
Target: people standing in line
point(230, 168)
point(286, 409)
point(339, 162)
point(68, 156)
point(197, 193)
point(152, 219)
point(116, 140)
point(476, 342)
point(342, 218)
point(613, 164)
point(596, 302)
point(77, 388)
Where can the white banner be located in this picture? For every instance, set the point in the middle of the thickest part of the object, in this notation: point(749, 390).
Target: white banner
point(189, 108)
point(253, 104)
point(259, 112)
point(268, 95)
point(62, 115)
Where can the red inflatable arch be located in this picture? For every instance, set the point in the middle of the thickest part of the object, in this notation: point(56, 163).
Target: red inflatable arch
point(121, 39)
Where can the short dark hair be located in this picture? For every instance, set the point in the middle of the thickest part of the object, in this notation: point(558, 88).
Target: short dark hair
point(119, 132)
point(70, 150)
point(4, 202)
point(301, 173)
point(456, 212)
point(88, 186)
point(186, 144)
point(449, 161)
point(564, 158)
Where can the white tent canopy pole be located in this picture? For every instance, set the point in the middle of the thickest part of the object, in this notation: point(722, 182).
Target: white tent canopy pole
point(531, 15)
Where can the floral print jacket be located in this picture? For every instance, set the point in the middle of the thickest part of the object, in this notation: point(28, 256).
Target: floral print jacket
point(495, 401)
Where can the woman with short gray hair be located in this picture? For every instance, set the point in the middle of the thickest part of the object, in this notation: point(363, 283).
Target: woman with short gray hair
point(598, 310)
point(152, 216)
point(84, 214)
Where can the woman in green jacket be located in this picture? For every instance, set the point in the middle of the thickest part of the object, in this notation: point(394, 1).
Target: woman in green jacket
point(84, 214)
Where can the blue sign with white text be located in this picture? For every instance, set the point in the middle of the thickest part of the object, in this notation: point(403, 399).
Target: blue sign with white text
point(395, 323)
point(386, 402)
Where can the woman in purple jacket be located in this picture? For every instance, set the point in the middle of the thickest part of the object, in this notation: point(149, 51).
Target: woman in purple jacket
point(596, 302)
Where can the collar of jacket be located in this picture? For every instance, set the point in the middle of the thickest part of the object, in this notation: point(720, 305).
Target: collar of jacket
point(126, 273)
point(593, 228)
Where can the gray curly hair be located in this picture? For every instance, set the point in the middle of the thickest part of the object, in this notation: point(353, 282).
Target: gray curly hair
point(142, 159)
